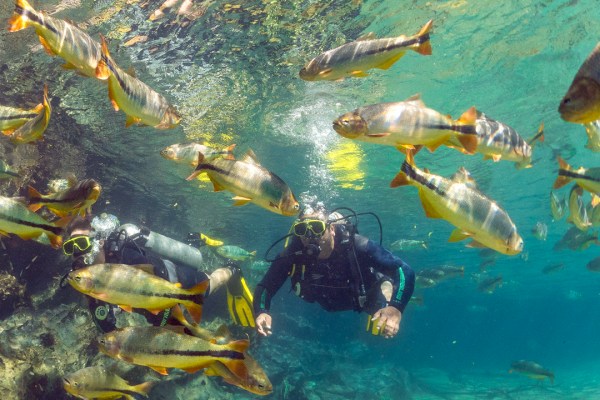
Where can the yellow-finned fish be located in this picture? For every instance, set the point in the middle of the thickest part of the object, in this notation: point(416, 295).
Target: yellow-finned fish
point(12, 118)
point(581, 104)
point(407, 124)
point(558, 207)
point(61, 38)
point(532, 370)
point(474, 214)
point(169, 347)
point(16, 218)
point(593, 133)
point(250, 182)
point(7, 172)
point(136, 287)
point(141, 104)
point(578, 215)
point(587, 178)
point(367, 52)
point(103, 384)
point(188, 153)
point(498, 141)
point(211, 242)
point(78, 197)
point(33, 129)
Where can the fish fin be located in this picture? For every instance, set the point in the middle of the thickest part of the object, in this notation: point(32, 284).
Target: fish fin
point(249, 157)
point(71, 180)
point(325, 72)
point(46, 46)
point(224, 332)
point(130, 71)
point(430, 211)
point(562, 180)
point(469, 142)
point(27, 236)
point(102, 296)
point(143, 388)
point(131, 121)
point(238, 367)
point(415, 99)
point(34, 207)
point(70, 21)
point(425, 47)
point(487, 157)
point(18, 21)
point(200, 288)
point(212, 371)
point(426, 170)
point(33, 143)
point(34, 193)
point(402, 178)
point(216, 185)
point(338, 80)
point(55, 240)
point(457, 235)
point(197, 368)
point(432, 146)
point(401, 149)
point(68, 65)
point(10, 131)
point(147, 268)
point(240, 201)
point(366, 36)
point(160, 370)
point(271, 204)
point(38, 109)
point(377, 135)
point(388, 64)
point(155, 312)
point(177, 284)
point(102, 71)
point(476, 245)
point(126, 308)
point(112, 98)
point(358, 74)
point(195, 311)
point(63, 222)
point(538, 137)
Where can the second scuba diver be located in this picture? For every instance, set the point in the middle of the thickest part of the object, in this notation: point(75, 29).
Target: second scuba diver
point(329, 263)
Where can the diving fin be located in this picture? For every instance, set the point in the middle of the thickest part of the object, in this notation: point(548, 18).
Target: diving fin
point(239, 300)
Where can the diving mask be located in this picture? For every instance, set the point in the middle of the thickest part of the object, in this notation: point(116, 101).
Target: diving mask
point(309, 227)
point(82, 243)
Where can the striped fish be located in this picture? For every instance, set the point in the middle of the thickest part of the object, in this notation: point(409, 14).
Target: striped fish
point(61, 38)
point(103, 384)
point(593, 133)
point(162, 348)
point(578, 215)
point(474, 214)
point(367, 52)
point(497, 141)
point(589, 179)
point(12, 118)
point(136, 287)
point(16, 218)
point(407, 124)
point(557, 207)
point(7, 172)
point(32, 130)
point(188, 153)
point(141, 104)
point(78, 197)
point(250, 182)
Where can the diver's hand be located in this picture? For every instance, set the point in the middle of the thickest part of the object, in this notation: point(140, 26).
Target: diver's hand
point(263, 323)
point(391, 316)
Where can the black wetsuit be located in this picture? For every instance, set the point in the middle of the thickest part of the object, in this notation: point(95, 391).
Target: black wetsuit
point(104, 314)
point(332, 283)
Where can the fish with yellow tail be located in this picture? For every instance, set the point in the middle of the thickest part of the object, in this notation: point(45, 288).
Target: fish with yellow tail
point(406, 125)
point(532, 370)
point(61, 38)
point(581, 104)
point(211, 242)
point(12, 118)
point(250, 182)
point(578, 214)
point(188, 153)
point(103, 384)
point(136, 287)
point(169, 347)
point(78, 197)
point(367, 52)
point(32, 130)
point(474, 214)
point(587, 178)
point(141, 104)
point(17, 219)
point(593, 133)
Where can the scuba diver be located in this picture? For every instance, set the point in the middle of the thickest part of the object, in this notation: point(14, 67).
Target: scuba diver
point(329, 263)
point(103, 240)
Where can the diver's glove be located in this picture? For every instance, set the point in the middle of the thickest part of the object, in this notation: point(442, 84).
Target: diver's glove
point(232, 267)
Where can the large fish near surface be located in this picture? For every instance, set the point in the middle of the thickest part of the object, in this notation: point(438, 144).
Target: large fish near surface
point(141, 104)
point(7, 172)
point(593, 133)
point(162, 348)
point(367, 52)
point(578, 215)
point(581, 104)
point(61, 38)
point(474, 214)
point(488, 285)
point(532, 370)
point(407, 124)
point(557, 207)
point(32, 130)
point(103, 384)
point(136, 287)
point(17, 219)
point(78, 197)
point(188, 153)
point(498, 141)
point(587, 178)
point(250, 182)
point(12, 118)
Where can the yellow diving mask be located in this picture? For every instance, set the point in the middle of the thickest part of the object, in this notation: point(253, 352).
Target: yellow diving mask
point(302, 228)
point(81, 242)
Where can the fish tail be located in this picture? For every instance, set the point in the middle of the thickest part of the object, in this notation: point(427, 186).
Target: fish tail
point(407, 171)
point(55, 240)
point(462, 271)
point(538, 137)
point(35, 199)
point(143, 388)
point(23, 16)
point(466, 132)
point(102, 71)
point(229, 152)
point(424, 47)
point(563, 169)
point(38, 109)
point(425, 244)
point(252, 255)
point(198, 171)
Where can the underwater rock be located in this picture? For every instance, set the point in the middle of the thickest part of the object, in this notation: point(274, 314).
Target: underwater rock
point(12, 293)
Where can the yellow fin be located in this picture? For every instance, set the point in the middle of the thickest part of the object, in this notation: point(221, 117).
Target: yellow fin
point(358, 74)
point(240, 201)
point(112, 98)
point(457, 235)
point(249, 157)
point(325, 72)
point(386, 65)
point(432, 146)
point(131, 121)
point(131, 71)
point(217, 187)
point(47, 46)
point(430, 212)
point(68, 65)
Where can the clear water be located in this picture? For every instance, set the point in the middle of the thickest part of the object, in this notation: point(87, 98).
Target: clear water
point(233, 73)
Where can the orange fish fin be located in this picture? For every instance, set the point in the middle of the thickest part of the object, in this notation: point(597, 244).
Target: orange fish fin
point(102, 296)
point(469, 117)
point(240, 201)
point(238, 367)
point(112, 97)
point(46, 46)
point(38, 109)
point(325, 72)
point(19, 21)
point(432, 146)
point(63, 222)
point(155, 312)
point(60, 213)
point(229, 148)
point(469, 142)
point(102, 71)
point(426, 170)
point(496, 157)
point(359, 74)
point(160, 370)
point(200, 288)
point(216, 185)
point(131, 121)
point(425, 47)
point(195, 311)
point(387, 65)
point(177, 284)
point(27, 236)
point(212, 372)
point(55, 240)
point(126, 308)
point(34, 193)
point(34, 207)
point(197, 368)
point(9, 132)
point(143, 388)
point(401, 149)
point(430, 211)
point(193, 175)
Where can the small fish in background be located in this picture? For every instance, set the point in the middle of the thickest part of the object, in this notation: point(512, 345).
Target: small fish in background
point(235, 253)
point(12, 118)
point(33, 129)
point(56, 185)
point(558, 207)
point(532, 370)
point(593, 133)
point(582, 241)
point(139, 101)
point(478, 278)
point(77, 198)
point(418, 300)
point(573, 295)
point(594, 265)
point(488, 285)
point(487, 262)
point(259, 265)
point(102, 383)
point(540, 231)
point(407, 124)
point(589, 178)
point(188, 153)
point(581, 104)
point(408, 244)
point(578, 215)
point(430, 273)
point(6, 172)
point(450, 271)
point(550, 269)
point(367, 52)
point(594, 211)
point(421, 281)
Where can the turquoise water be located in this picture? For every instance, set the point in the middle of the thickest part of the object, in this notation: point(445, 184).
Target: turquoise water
point(232, 72)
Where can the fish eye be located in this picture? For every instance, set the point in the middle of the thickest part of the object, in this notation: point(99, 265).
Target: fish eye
point(345, 121)
point(102, 341)
point(261, 386)
point(75, 383)
point(567, 101)
point(297, 206)
point(78, 278)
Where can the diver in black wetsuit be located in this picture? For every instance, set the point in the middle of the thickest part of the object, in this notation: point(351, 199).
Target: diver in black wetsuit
point(117, 249)
point(321, 264)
